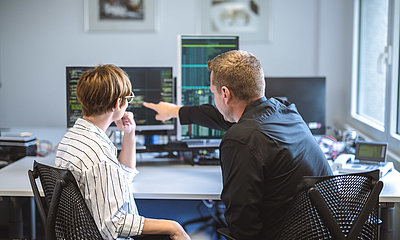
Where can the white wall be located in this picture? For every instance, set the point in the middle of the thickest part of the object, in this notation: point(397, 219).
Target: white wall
point(38, 39)
point(335, 57)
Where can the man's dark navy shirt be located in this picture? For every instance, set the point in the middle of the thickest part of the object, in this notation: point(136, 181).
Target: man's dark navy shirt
point(264, 157)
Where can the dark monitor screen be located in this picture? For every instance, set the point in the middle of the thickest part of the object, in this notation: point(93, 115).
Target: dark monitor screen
point(150, 84)
point(308, 93)
point(193, 79)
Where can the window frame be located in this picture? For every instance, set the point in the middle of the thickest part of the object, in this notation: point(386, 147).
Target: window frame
point(368, 128)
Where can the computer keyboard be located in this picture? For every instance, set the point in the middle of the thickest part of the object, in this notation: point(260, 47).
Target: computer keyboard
point(204, 143)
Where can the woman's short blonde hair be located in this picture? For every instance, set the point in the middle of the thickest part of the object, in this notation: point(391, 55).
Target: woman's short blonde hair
point(99, 88)
point(241, 72)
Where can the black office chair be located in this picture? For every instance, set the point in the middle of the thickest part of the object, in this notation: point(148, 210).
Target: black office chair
point(333, 207)
point(64, 212)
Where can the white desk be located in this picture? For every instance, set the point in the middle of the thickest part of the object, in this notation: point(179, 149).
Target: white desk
point(153, 182)
point(391, 187)
point(162, 182)
point(178, 182)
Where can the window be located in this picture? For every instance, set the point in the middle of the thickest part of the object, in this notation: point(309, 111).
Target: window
point(373, 29)
point(375, 107)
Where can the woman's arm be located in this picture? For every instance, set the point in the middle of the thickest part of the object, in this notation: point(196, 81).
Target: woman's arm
point(168, 227)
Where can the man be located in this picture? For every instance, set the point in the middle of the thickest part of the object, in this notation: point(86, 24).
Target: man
point(105, 180)
point(265, 152)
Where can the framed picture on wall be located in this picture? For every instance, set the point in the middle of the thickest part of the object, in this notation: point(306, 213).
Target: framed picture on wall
point(250, 19)
point(121, 15)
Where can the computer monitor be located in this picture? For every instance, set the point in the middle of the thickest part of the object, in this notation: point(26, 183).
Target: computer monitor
point(308, 93)
point(193, 77)
point(150, 84)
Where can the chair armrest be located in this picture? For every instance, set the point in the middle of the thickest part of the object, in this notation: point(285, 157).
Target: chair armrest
point(225, 233)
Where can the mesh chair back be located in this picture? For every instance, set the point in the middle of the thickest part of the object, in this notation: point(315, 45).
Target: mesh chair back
point(67, 216)
point(335, 207)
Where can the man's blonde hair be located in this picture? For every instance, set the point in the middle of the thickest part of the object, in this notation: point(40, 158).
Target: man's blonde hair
point(99, 88)
point(241, 72)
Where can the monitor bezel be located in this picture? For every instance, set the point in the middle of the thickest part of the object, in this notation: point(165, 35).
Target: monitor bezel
point(320, 131)
point(160, 129)
point(179, 71)
point(382, 145)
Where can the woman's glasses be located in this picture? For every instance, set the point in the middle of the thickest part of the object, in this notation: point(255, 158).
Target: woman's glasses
point(129, 98)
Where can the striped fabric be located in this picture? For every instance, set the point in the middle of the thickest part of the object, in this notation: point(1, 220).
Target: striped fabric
point(105, 183)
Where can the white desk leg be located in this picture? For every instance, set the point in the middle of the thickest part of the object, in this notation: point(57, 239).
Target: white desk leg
point(387, 217)
point(33, 218)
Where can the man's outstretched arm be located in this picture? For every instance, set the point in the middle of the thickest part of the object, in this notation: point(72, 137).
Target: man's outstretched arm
point(205, 115)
